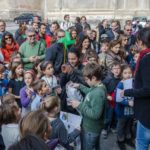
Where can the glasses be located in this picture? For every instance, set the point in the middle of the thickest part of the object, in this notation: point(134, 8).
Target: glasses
point(7, 38)
point(129, 30)
point(61, 36)
point(31, 35)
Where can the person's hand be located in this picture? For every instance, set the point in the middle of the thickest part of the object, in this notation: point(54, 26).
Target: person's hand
point(74, 103)
point(32, 59)
point(65, 68)
point(75, 85)
point(131, 103)
point(37, 58)
point(29, 93)
point(122, 93)
point(109, 98)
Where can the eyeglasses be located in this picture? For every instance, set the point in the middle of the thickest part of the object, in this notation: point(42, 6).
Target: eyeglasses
point(61, 36)
point(7, 38)
point(33, 35)
point(128, 29)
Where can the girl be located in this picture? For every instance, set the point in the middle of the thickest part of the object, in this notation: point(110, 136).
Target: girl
point(51, 105)
point(26, 93)
point(10, 115)
point(35, 123)
point(124, 106)
point(50, 79)
point(16, 82)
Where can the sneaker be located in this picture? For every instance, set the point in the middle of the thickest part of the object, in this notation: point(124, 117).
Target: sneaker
point(104, 134)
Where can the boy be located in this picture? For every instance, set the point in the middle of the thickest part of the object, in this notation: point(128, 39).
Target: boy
point(92, 108)
point(111, 81)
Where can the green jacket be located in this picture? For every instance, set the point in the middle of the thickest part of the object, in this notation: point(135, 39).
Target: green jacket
point(92, 108)
point(27, 50)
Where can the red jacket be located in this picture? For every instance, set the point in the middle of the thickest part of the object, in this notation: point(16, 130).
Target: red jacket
point(8, 51)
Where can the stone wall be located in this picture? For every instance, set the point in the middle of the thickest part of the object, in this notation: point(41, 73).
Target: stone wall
point(93, 9)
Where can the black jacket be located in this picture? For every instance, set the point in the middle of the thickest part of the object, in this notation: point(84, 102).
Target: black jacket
point(111, 82)
point(141, 92)
point(55, 54)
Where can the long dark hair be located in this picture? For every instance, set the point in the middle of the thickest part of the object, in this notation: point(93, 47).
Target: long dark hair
point(3, 44)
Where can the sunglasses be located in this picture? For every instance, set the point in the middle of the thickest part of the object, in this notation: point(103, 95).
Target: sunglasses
point(7, 38)
point(33, 35)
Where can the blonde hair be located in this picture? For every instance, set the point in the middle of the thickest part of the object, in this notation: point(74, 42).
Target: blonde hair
point(49, 103)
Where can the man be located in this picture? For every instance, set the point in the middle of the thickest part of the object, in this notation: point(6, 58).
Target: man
point(112, 33)
point(35, 27)
point(2, 29)
point(66, 23)
point(128, 32)
point(54, 28)
point(84, 23)
point(31, 50)
point(56, 53)
point(43, 37)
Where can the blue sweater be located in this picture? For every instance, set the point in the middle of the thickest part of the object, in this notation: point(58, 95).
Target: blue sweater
point(122, 107)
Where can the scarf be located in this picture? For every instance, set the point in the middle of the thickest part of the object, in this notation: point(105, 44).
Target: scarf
point(142, 54)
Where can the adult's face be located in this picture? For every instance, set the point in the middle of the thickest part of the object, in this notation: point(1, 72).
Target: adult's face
point(31, 37)
point(128, 30)
point(83, 20)
point(43, 29)
point(114, 26)
point(2, 27)
point(60, 35)
point(53, 28)
point(116, 49)
point(35, 26)
point(85, 44)
point(8, 39)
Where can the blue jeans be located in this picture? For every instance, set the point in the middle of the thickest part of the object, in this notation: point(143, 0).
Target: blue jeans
point(90, 141)
point(142, 137)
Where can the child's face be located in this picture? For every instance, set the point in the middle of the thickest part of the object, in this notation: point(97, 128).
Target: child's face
point(49, 71)
point(72, 59)
point(19, 70)
point(116, 70)
point(136, 56)
point(90, 82)
point(127, 74)
point(2, 75)
point(104, 47)
point(92, 60)
point(28, 79)
point(45, 88)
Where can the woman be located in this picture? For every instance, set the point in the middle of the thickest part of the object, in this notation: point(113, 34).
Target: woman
point(114, 54)
point(9, 46)
point(84, 45)
point(141, 91)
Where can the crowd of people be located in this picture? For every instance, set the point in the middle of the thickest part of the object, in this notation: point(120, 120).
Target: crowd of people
point(108, 66)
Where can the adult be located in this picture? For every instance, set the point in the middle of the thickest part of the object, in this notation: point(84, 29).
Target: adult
point(113, 32)
point(43, 37)
point(141, 91)
point(2, 29)
point(54, 28)
point(8, 46)
point(66, 23)
point(78, 25)
point(114, 54)
point(35, 27)
point(56, 53)
point(84, 23)
point(31, 50)
point(128, 32)
point(20, 36)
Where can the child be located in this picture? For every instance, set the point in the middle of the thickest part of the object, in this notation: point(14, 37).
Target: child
point(92, 57)
point(124, 106)
point(10, 115)
point(26, 93)
point(41, 89)
point(111, 82)
point(16, 82)
point(50, 79)
point(51, 105)
point(92, 108)
point(3, 81)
